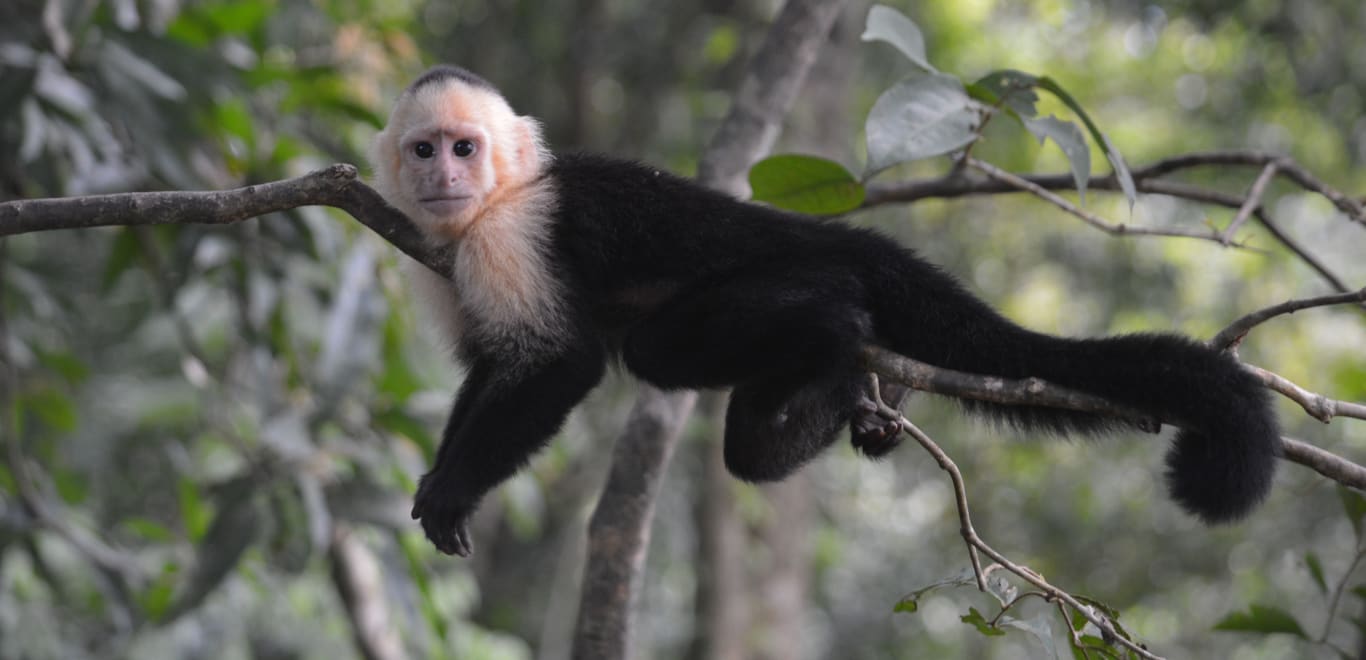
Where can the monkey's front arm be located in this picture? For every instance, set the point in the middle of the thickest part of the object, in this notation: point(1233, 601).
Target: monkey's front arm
point(501, 417)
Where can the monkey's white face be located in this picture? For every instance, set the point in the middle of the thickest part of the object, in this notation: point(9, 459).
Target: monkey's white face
point(447, 150)
point(445, 168)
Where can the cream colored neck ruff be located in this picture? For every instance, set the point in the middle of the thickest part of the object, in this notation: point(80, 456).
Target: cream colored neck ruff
point(502, 270)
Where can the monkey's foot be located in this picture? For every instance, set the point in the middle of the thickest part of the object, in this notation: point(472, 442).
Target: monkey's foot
point(875, 425)
point(874, 431)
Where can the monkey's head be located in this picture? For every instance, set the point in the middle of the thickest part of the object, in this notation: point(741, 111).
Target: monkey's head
point(451, 147)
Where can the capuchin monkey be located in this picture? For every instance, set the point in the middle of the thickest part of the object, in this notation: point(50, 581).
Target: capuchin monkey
point(564, 263)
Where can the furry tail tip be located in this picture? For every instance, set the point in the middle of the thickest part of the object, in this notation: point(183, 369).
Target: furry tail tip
point(1221, 479)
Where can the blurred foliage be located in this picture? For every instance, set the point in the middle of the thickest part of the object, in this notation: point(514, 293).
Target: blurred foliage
point(201, 407)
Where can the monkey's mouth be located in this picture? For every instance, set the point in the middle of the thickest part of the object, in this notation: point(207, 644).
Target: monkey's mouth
point(444, 204)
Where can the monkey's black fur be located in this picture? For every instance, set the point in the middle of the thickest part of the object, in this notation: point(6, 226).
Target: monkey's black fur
point(693, 289)
point(444, 72)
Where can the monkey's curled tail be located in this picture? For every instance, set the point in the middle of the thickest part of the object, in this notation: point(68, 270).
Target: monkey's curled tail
point(1221, 462)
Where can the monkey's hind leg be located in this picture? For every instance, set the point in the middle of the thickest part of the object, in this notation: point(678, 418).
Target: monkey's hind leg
point(776, 425)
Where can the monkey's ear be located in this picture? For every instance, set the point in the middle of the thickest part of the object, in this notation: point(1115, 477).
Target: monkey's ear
point(383, 158)
point(531, 149)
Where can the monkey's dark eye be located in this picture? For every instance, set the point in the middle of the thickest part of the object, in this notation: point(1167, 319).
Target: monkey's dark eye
point(424, 150)
point(464, 149)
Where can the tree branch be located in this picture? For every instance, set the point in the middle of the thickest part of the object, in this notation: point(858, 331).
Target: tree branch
point(1146, 179)
point(1116, 229)
point(1317, 406)
point(958, 186)
point(359, 580)
point(975, 544)
point(1033, 391)
point(1252, 203)
point(337, 186)
point(1230, 337)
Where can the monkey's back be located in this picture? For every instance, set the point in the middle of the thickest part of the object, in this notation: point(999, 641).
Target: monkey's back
point(620, 222)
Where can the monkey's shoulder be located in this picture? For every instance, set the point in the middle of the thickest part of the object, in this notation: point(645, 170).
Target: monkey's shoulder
point(597, 189)
point(599, 179)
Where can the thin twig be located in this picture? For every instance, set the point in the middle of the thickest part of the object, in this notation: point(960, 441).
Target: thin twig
point(1254, 200)
point(907, 191)
point(976, 544)
point(1145, 179)
point(964, 519)
point(1089, 218)
point(1353, 209)
point(1337, 595)
point(1303, 253)
point(1234, 333)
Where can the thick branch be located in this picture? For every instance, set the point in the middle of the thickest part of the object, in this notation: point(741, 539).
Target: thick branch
point(1033, 391)
point(618, 533)
point(360, 582)
point(1317, 406)
point(337, 185)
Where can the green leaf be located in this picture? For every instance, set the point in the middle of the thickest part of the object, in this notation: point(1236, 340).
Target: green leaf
point(54, 408)
point(919, 118)
point(1098, 647)
point(1262, 619)
point(155, 600)
point(1126, 180)
point(71, 487)
point(194, 515)
point(189, 30)
point(123, 253)
point(805, 184)
point(1079, 620)
point(889, 25)
point(975, 619)
point(396, 420)
point(1010, 89)
point(722, 44)
point(1073, 144)
point(238, 16)
point(907, 605)
point(232, 117)
point(148, 529)
point(398, 380)
point(1354, 505)
point(7, 484)
point(1311, 561)
point(65, 365)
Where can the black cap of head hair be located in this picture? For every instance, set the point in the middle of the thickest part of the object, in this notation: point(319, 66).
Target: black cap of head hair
point(443, 72)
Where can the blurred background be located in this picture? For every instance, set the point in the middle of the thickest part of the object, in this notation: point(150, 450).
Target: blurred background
point(226, 423)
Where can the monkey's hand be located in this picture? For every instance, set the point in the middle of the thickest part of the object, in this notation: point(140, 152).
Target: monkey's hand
point(444, 514)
